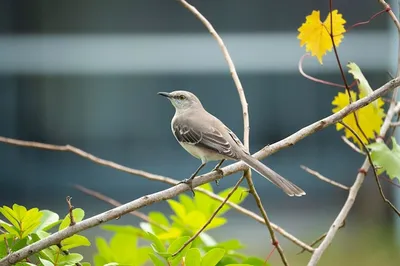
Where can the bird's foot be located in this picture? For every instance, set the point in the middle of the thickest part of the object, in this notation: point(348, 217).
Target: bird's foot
point(189, 182)
point(221, 173)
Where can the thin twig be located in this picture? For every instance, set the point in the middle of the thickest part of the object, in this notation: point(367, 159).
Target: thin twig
point(352, 146)
point(172, 192)
point(116, 203)
point(66, 252)
point(246, 123)
point(70, 211)
point(342, 71)
point(319, 239)
point(391, 14)
point(231, 66)
point(323, 178)
point(395, 124)
point(210, 219)
point(374, 170)
point(275, 242)
point(316, 256)
point(300, 67)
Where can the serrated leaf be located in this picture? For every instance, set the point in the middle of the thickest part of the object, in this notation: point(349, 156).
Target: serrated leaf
point(156, 260)
point(48, 218)
point(363, 85)
point(388, 160)
point(77, 214)
point(237, 197)
point(315, 34)
point(157, 245)
point(212, 257)
point(74, 241)
point(69, 259)
point(193, 257)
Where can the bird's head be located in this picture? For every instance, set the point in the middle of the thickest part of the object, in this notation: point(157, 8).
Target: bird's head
point(182, 100)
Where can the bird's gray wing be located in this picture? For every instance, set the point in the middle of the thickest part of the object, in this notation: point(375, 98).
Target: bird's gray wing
point(207, 137)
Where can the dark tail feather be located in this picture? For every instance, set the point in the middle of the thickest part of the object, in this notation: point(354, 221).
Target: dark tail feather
point(287, 186)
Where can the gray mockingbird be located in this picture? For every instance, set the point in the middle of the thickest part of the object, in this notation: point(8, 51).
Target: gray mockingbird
point(208, 139)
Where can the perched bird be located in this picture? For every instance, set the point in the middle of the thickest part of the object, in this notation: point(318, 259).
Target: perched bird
point(208, 139)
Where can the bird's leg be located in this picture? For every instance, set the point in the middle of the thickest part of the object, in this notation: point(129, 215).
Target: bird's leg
point(216, 168)
point(189, 180)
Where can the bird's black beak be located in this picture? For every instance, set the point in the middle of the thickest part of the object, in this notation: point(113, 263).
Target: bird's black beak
point(165, 94)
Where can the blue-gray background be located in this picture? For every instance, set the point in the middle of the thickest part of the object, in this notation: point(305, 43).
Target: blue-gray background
point(86, 73)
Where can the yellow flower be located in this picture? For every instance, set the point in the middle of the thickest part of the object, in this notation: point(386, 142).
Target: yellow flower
point(369, 118)
point(316, 34)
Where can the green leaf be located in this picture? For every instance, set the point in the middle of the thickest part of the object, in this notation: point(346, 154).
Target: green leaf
point(213, 257)
point(74, 241)
point(46, 262)
point(255, 261)
point(124, 247)
point(156, 260)
point(11, 229)
point(20, 211)
point(104, 250)
point(174, 247)
point(204, 203)
point(24, 263)
point(85, 264)
point(78, 215)
point(241, 264)
point(362, 82)
point(187, 202)
point(70, 259)
point(30, 221)
point(177, 244)
point(48, 218)
point(178, 208)
point(193, 257)
point(142, 255)
point(10, 215)
point(157, 245)
point(237, 197)
point(232, 244)
point(124, 229)
point(158, 218)
point(388, 160)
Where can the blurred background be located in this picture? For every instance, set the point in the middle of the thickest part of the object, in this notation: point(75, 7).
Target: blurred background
point(86, 73)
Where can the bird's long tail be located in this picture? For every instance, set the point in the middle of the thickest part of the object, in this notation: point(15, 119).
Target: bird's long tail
point(287, 186)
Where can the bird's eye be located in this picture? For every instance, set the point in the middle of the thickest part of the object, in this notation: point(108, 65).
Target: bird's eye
point(181, 97)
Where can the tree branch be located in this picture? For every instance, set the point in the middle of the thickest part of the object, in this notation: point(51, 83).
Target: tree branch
point(393, 109)
point(172, 192)
point(246, 124)
point(323, 178)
